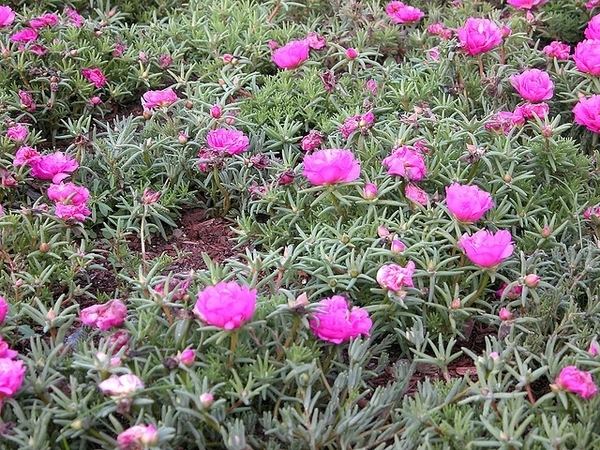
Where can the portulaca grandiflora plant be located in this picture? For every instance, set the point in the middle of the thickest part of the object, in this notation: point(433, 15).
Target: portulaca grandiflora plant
point(413, 196)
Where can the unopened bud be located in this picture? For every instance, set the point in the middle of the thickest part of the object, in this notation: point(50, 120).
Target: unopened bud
point(207, 399)
point(532, 280)
point(44, 247)
point(456, 304)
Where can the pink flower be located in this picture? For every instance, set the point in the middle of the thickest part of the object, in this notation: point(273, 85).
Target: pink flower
point(56, 167)
point(315, 41)
point(17, 133)
point(512, 294)
point(351, 53)
point(226, 305)
point(526, 4)
point(216, 112)
point(286, 178)
point(479, 36)
point(104, 316)
point(362, 122)
point(593, 28)
point(397, 246)
point(406, 162)
point(74, 17)
point(291, 55)
point(528, 111)
point(119, 50)
point(533, 85)
point(576, 381)
point(68, 194)
point(225, 140)
point(503, 121)
point(3, 309)
point(25, 35)
point(416, 195)
point(207, 399)
point(159, 99)
point(587, 113)
point(5, 351)
point(369, 191)
point(76, 213)
point(371, 85)
point(95, 76)
point(149, 197)
point(12, 374)
point(591, 4)
point(587, 56)
point(95, 101)
point(439, 29)
point(558, 50)
point(593, 212)
point(594, 348)
point(138, 437)
point(7, 16)
point(334, 321)
point(395, 278)
point(331, 166)
point(312, 141)
point(45, 20)
point(25, 155)
point(467, 203)
point(486, 249)
point(121, 386)
point(27, 101)
point(505, 315)
point(403, 14)
point(164, 61)
point(187, 357)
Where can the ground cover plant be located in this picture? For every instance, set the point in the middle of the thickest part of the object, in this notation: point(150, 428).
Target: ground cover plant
point(312, 224)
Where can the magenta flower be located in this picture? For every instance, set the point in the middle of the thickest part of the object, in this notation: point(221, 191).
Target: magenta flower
point(226, 305)
point(486, 249)
point(17, 133)
point(395, 278)
point(558, 50)
point(7, 16)
point(468, 203)
point(416, 195)
point(12, 374)
point(592, 212)
point(24, 36)
point(479, 36)
point(400, 13)
point(397, 246)
point(334, 321)
point(45, 20)
point(27, 101)
point(587, 56)
point(122, 386)
point(3, 309)
point(351, 53)
point(68, 193)
point(525, 4)
point(25, 155)
point(75, 213)
point(95, 76)
point(56, 167)
point(225, 140)
point(331, 166)
point(312, 141)
point(74, 17)
point(104, 316)
point(439, 29)
point(187, 357)
point(592, 30)
point(577, 381)
point(5, 351)
point(138, 437)
point(505, 315)
point(291, 55)
point(159, 99)
point(533, 85)
point(528, 111)
point(406, 162)
point(587, 113)
point(216, 112)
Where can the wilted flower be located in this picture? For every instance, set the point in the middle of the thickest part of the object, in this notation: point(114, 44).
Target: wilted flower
point(397, 246)
point(487, 249)
point(403, 14)
point(138, 437)
point(119, 50)
point(577, 381)
point(434, 54)
point(159, 99)
point(12, 374)
point(503, 121)
point(312, 141)
point(17, 133)
point(371, 85)
point(286, 178)
point(479, 36)
point(74, 17)
point(439, 29)
point(291, 55)
point(164, 61)
point(592, 212)
point(533, 85)
point(95, 76)
point(7, 16)
point(331, 166)
point(395, 277)
point(334, 321)
point(150, 197)
point(406, 162)
point(587, 113)
point(226, 305)
point(329, 80)
point(27, 101)
point(361, 122)
point(56, 166)
point(225, 140)
point(104, 316)
point(558, 50)
point(587, 56)
point(468, 203)
point(121, 386)
point(415, 194)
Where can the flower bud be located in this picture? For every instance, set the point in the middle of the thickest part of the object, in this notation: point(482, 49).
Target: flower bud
point(507, 178)
point(547, 131)
point(546, 231)
point(44, 247)
point(382, 232)
point(456, 304)
point(216, 112)
point(189, 104)
point(504, 314)
point(351, 53)
point(369, 191)
point(594, 348)
point(182, 137)
point(187, 357)
point(494, 355)
point(300, 302)
point(229, 120)
point(532, 280)
point(207, 399)
point(147, 114)
point(397, 246)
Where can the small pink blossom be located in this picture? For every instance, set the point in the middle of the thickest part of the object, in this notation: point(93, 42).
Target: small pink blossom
point(74, 17)
point(207, 399)
point(486, 249)
point(225, 140)
point(17, 133)
point(159, 99)
point(95, 76)
point(503, 122)
point(12, 374)
point(7, 16)
point(416, 195)
point(149, 197)
point(406, 162)
point(467, 203)
point(592, 30)
point(577, 381)
point(369, 191)
point(512, 294)
point(45, 20)
point(360, 122)
point(532, 280)
point(395, 277)
point(397, 246)
point(216, 112)
point(528, 111)
point(439, 29)
point(505, 315)
point(138, 437)
point(334, 321)
point(558, 50)
point(27, 101)
point(592, 212)
point(371, 85)
point(315, 41)
point(164, 61)
point(121, 386)
point(226, 305)
point(187, 357)
point(3, 309)
point(331, 166)
point(291, 55)
point(351, 53)
point(400, 13)
point(119, 50)
point(104, 316)
point(312, 141)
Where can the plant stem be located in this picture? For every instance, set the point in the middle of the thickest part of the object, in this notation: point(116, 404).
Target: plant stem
point(221, 188)
point(482, 285)
point(232, 347)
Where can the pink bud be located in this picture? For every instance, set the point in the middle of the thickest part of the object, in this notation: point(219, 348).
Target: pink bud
point(494, 356)
point(382, 232)
point(369, 191)
point(594, 349)
point(351, 53)
point(532, 280)
point(215, 111)
point(273, 45)
point(456, 303)
point(398, 246)
point(504, 314)
point(229, 120)
point(3, 309)
point(207, 399)
point(227, 58)
point(149, 196)
point(182, 137)
point(286, 178)
point(546, 231)
point(187, 357)
point(95, 101)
